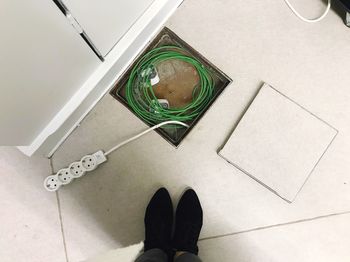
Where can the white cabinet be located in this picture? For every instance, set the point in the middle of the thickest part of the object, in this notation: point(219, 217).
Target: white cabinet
point(106, 21)
point(43, 62)
point(50, 78)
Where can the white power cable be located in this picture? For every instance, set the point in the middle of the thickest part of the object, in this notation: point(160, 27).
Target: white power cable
point(144, 133)
point(306, 19)
point(90, 162)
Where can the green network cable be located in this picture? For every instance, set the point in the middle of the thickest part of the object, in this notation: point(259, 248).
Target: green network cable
point(140, 95)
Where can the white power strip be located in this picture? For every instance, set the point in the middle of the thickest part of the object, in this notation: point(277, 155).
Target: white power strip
point(90, 162)
point(75, 170)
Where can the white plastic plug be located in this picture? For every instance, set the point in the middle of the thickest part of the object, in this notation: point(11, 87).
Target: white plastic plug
point(164, 103)
point(153, 75)
point(155, 79)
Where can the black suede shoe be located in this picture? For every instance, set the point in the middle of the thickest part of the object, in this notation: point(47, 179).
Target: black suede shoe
point(159, 222)
point(189, 221)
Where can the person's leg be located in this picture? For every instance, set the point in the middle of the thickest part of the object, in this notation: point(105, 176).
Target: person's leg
point(158, 227)
point(189, 220)
point(153, 255)
point(187, 257)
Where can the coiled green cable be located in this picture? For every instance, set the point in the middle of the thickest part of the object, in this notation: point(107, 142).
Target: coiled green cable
point(140, 95)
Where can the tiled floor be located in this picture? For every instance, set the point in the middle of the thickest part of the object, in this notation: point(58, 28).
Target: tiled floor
point(251, 41)
point(30, 227)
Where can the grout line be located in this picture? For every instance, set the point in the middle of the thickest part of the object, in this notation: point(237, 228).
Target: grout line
point(62, 229)
point(276, 225)
point(51, 164)
point(60, 217)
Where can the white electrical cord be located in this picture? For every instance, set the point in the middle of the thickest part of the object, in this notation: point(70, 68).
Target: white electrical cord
point(306, 19)
point(90, 162)
point(144, 133)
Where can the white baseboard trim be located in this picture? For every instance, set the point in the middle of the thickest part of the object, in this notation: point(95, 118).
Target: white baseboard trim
point(96, 86)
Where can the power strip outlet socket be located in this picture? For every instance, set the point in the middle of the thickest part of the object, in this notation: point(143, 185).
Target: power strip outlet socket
point(75, 170)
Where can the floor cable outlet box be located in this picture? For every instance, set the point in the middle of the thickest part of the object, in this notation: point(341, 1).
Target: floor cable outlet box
point(174, 84)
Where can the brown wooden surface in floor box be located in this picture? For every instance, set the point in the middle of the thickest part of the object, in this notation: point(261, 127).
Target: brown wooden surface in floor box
point(173, 75)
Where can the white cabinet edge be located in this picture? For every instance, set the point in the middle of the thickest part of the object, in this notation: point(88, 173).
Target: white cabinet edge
point(122, 54)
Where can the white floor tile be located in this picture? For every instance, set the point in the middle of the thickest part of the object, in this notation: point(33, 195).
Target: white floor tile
point(30, 227)
point(321, 240)
point(278, 143)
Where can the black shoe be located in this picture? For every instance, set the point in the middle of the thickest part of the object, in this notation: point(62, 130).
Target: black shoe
point(189, 220)
point(159, 222)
